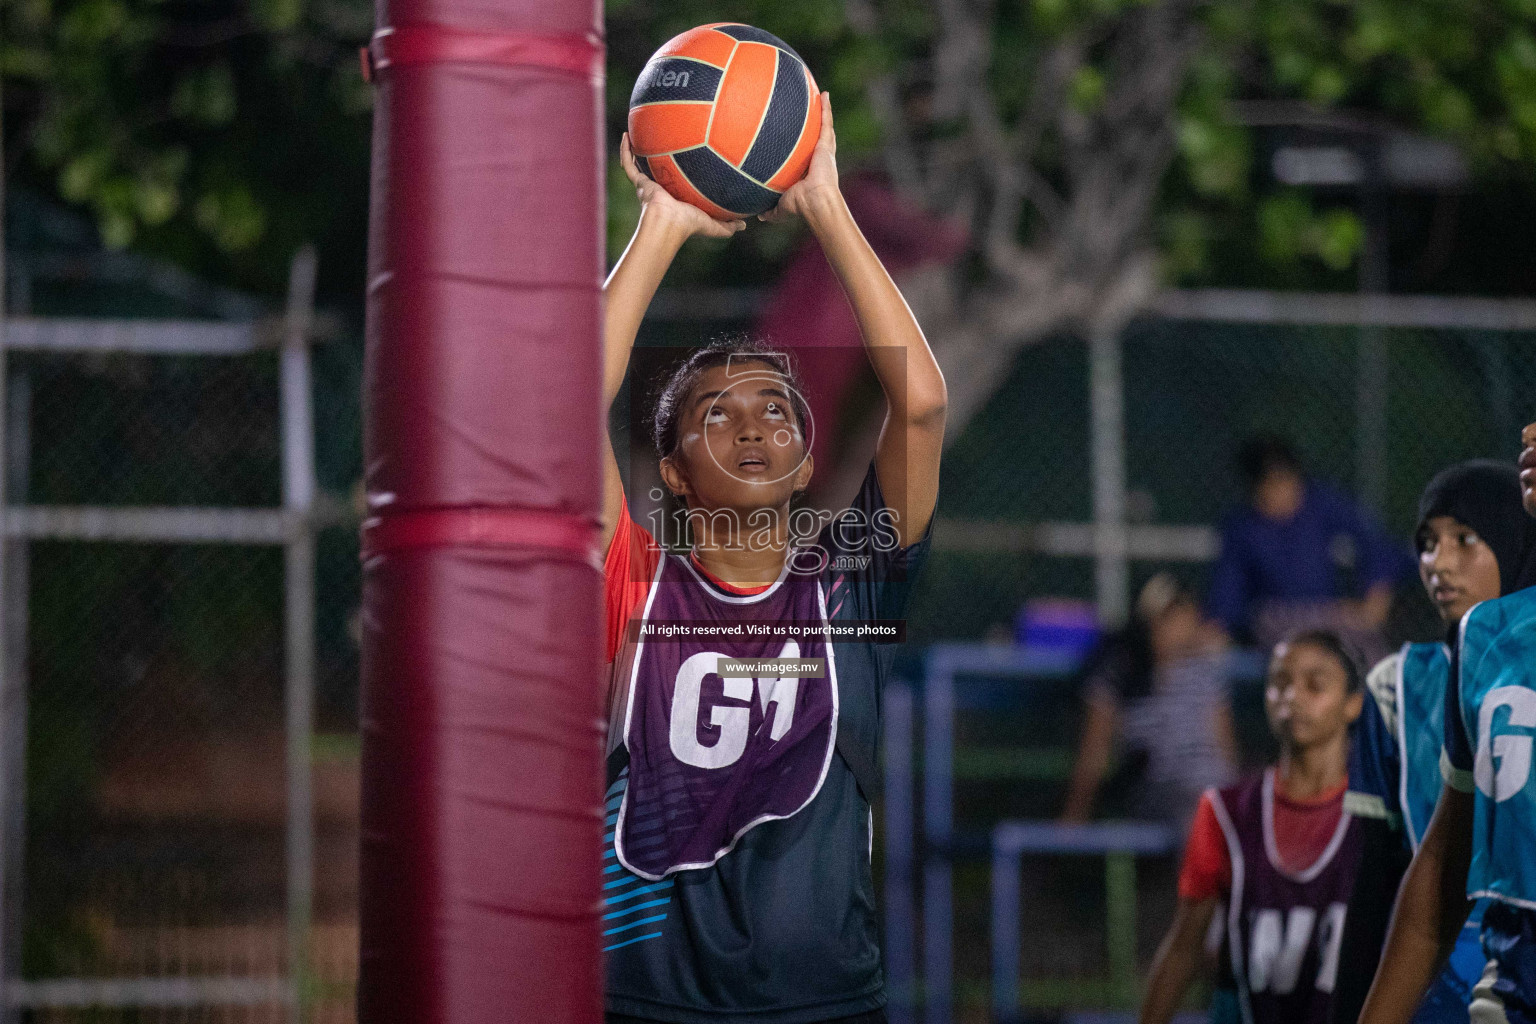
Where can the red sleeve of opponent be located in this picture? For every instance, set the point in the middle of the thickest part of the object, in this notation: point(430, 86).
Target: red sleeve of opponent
point(628, 569)
point(1207, 870)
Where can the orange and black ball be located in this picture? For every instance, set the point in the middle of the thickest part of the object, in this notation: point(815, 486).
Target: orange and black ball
point(725, 117)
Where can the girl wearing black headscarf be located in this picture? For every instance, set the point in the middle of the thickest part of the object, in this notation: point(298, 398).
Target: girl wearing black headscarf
point(1472, 540)
point(1481, 841)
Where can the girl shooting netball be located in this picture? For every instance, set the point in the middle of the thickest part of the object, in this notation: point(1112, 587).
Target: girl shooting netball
point(737, 862)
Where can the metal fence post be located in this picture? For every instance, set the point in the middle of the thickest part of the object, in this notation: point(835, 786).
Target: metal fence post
point(9, 926)
point(15, 583)
point(900, 860)
point(1106, 399)
point(1120, 923)
point(1372, 376)
point(24, 523)
point(938, 837)
point(298, 429)
point(1006, 887)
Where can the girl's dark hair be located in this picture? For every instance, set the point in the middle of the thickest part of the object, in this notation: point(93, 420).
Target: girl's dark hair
point(719, 352)
point(1338, 649)
point(1126, 656)
point(1263, 454)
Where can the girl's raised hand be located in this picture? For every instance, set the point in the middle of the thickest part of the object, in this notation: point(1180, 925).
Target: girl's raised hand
point(657, 200)
point(820, 181)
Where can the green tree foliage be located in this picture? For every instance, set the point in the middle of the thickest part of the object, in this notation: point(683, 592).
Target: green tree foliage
point(222, 133)
point(1463, 70)
point(1096, 148)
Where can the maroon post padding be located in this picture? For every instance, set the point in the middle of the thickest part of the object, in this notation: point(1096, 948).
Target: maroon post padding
point(481, 712)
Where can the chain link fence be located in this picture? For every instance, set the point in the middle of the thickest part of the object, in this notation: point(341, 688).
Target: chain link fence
point(1016, 499)
point(156, 744)
point(1019, 520)
point(180, 845)
point(1193, 391)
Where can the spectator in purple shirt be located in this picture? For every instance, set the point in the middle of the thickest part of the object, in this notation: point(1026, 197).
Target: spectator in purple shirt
point(1301, 555)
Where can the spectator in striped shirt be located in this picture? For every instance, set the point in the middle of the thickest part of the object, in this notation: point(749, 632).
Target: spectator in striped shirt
point(1159, 687)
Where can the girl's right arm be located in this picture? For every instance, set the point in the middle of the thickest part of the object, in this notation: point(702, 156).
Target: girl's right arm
point(1431, 909)
point(665, 224)
point(1179, 960)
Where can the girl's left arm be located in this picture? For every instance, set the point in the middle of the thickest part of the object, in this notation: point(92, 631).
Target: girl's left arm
point(912, 438)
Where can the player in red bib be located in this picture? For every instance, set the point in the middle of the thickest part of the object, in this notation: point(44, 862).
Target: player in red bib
point(737, 880)
point(1278, 849)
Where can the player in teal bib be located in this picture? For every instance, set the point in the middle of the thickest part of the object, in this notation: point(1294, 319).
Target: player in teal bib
point(1470, 538)
point(1497, 705)
point(1481, 841)
point(1491, 714)
point(1423, 672)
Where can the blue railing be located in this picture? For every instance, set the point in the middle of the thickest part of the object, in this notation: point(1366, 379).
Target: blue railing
point(1119, 843)
point(945, 665)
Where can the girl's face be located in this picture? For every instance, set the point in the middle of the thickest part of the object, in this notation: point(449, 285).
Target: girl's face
point(1457, 567)
point(740, 444)
point(1307, 696)
point(1177, 631)
point(1279, 495)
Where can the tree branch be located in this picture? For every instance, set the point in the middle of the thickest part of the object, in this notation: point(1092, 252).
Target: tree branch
point(1092, 174)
